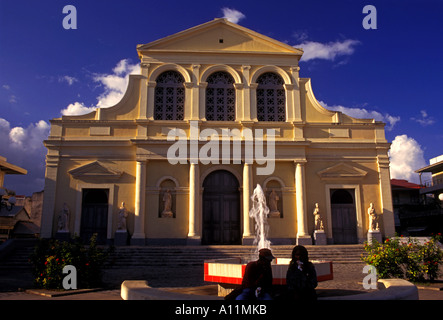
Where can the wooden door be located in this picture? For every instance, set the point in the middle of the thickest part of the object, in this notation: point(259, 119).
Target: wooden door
point(94, 217)
point(344, 219)
point(221, 209)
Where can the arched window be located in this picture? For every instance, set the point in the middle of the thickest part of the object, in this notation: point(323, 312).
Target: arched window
point(169, 101)
point(220, 97)
point(271, 100)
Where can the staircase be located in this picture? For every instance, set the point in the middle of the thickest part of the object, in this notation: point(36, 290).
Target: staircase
point(125, 257)
point(158, 256)
point(17, 258)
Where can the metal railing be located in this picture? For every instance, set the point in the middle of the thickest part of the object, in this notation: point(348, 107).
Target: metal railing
point(433, 182)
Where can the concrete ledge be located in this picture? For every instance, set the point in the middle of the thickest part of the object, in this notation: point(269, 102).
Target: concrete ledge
point(140, 290)
point(388, 289)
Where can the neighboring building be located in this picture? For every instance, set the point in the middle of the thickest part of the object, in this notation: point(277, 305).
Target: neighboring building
point(12, 212)
point(216, 80)
point(435, 185)
point(8, 168)
point(407, 201)
point(427, 217)
point(17, 222)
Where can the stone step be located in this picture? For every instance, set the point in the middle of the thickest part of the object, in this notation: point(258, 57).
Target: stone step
point(160, 256)
point(156, 256)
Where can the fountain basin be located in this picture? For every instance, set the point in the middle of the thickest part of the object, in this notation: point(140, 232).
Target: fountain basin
point(231, 270)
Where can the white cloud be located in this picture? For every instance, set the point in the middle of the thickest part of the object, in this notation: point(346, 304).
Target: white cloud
point(326, 51)
point(17, 135)
point(76, 108)
point(114, 84)
point(232, 15)
point(406, 156)
point(29, 139)
point(425, 119)
point(365, 114)
point(23, 146)
point(68, 79)
point(6, 87)
point(12, 99)
point(4, 125)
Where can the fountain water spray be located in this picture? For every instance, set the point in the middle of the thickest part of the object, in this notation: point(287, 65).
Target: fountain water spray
point(259, 212)
point(231, 270)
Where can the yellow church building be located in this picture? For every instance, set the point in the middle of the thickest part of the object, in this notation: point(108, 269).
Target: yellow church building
point(216, 110)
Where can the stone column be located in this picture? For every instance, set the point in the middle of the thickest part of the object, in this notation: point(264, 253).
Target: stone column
point(303, 238)
point(386, 197)
point(150, 100)
point(138, 238)
point(196, 103)
point(48, 211)
point(253, 101)
point(246, 94)
point(144, 91)
point(294, 71)
point(248, 236)
point(194, 191)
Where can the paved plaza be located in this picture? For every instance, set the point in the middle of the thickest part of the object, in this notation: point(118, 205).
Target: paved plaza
point(347, 280)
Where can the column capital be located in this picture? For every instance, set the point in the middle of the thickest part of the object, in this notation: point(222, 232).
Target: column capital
point(300, 162)
point(202, 85)
point(189, 85)
point(238, 86)
point(141, 159)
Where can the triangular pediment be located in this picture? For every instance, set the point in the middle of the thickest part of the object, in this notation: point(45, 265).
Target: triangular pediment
point(219, 35)
point(94, 169)
point(342, 171)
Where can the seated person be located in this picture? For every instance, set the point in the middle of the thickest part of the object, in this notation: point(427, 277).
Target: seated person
point(301, 277)
point(257, 280)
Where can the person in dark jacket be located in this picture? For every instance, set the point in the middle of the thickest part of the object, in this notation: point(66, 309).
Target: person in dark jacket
point(301, 277)
point(257, 280)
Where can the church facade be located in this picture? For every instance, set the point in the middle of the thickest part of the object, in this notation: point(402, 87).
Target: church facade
point(217, 110)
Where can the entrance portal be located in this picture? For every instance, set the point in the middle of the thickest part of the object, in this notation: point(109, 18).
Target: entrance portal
point(343, 214)
point(94, 217)
point(221, 209)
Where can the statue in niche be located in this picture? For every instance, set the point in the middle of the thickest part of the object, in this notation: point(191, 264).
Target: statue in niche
point(122, 215)
point(318, 221)
point(167, 201)
point(63, 219)
point(373, 218)
point(273, 204)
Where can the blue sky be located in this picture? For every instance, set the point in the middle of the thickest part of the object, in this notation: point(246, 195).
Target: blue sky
point(392, 73)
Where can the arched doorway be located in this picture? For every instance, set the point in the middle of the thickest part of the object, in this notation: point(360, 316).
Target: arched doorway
point(94, 217)
point(221, 209)
point(344, 218)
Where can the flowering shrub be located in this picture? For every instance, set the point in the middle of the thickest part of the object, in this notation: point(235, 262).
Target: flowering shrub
point(51, 256)
point(409, 259)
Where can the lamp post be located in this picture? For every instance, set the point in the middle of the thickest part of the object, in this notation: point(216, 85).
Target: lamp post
point(7, 200)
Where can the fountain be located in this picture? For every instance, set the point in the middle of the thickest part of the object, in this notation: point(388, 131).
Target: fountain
point(229, 272)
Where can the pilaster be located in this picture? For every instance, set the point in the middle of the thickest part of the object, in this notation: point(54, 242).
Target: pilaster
point(138, 238)
point(303, 237)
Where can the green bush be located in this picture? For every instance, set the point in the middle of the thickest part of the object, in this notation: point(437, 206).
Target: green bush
point(51, 256)
point(405, 259)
